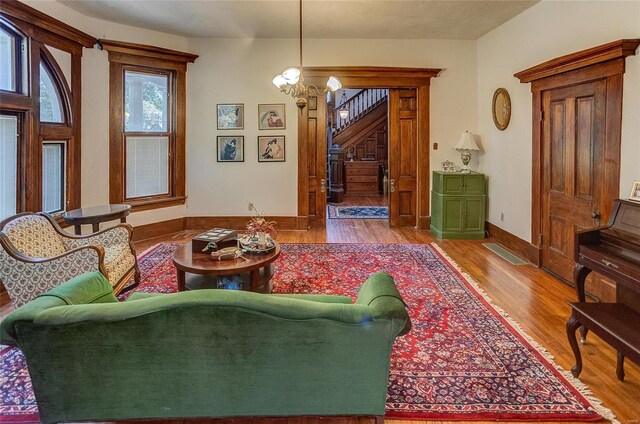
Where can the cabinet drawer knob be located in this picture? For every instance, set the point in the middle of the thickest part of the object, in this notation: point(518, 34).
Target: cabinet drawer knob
point(609, 264)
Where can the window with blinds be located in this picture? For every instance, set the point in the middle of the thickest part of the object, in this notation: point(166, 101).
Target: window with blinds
point(8, 165)
point(53, 176)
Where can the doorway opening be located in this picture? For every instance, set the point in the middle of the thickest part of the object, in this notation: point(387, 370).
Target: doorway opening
point(357, 154)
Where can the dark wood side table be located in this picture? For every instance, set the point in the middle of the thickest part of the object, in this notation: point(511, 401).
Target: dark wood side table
point(258, 266)
point(94, 215)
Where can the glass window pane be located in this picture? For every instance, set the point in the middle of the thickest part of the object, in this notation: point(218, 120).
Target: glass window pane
point(50, 99)
point(145, 102)
point(147, 170)
point(8, 165)
point(53, 177)
point(7, 61)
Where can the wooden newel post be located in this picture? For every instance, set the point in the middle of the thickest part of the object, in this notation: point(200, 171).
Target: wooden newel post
point(336, 178)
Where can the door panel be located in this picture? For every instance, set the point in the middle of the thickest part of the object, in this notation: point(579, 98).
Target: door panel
point(316, 160)
point(403, 141)
point(573, 146)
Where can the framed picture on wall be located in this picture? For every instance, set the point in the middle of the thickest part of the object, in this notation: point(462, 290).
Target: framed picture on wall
point(635, 191)
point(271, 148)
point(231, 116)
point(272, 117)
point(230, 148)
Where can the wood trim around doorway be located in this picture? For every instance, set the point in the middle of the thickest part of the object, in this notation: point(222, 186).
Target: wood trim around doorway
point(597, 63)
point(378, 77)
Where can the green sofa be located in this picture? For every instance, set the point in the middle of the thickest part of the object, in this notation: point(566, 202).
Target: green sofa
point(206, 353)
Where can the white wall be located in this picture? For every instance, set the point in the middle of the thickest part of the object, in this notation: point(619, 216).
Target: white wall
point(543, 32)
point(240, 71)
point(95, 102)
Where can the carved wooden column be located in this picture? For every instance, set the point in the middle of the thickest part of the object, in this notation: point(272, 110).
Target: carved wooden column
point(336, 166)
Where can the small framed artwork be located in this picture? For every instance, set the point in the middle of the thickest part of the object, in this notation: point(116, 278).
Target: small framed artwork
point(230, 148)
point(231, 116)
point(635, 191)
point(272, 117)
point(271, 148)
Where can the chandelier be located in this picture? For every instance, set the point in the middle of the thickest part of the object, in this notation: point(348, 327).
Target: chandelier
point(343, 111)
point(291, 81)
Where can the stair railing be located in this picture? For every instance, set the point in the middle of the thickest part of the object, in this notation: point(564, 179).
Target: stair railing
point(358, 106)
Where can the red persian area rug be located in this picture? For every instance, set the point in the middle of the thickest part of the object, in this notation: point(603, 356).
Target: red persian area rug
point(464, 359)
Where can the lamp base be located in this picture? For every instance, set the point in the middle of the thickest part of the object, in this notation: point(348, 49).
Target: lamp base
point(466, 158)
point(465, 170)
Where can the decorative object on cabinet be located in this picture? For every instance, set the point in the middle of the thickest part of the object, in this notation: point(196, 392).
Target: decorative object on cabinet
point(467, 142)
point(458, 205)
point(231, 116)
point(271, 148)
point(272, 117)
point(635, 191)
point(501, 109)
point(230, 148)
point(361, 178)
point(448, 166)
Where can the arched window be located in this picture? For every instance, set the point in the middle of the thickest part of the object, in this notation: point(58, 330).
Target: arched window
point(51, 99)
point(39, 123)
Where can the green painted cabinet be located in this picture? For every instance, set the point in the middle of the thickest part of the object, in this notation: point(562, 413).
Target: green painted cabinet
point(458, 205)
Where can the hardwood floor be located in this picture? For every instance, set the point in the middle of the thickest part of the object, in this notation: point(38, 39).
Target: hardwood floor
point(533, 298)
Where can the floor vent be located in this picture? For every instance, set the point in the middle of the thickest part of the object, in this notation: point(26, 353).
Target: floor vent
point(504, 253)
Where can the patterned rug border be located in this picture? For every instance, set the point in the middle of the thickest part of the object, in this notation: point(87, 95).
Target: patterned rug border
point(335, 214)
point(542, 352)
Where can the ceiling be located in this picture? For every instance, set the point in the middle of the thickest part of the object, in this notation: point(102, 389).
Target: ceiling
point(359, 19)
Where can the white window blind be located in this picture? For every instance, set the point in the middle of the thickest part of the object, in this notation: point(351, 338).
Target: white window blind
point(53, 177)
point(147, 169)
point(8, 165)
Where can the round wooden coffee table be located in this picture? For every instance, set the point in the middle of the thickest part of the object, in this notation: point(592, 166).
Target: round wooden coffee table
point(256, 269)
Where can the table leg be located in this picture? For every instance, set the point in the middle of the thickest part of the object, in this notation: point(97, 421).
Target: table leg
point(255, 279)
point(123, 219)
point(95, 227)
point(572, 326)
point(182, 282)
point(620, 367)
point(78, 229)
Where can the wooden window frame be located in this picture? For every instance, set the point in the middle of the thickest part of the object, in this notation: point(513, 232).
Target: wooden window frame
point(20, 40)
point(147, 59)
point(38, 30)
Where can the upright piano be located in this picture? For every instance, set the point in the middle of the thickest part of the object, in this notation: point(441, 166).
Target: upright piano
point(613, 251)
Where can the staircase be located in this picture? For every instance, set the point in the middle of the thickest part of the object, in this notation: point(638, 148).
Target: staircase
point(366, 123)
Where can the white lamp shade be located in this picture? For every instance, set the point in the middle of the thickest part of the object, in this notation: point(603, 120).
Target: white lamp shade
point(279, 81)
point(334, 84)
point(292, 75)
point(467, 142)
point(344, 113)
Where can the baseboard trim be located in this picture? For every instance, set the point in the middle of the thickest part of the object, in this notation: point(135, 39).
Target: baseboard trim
point(158, 229)
point(514, 243)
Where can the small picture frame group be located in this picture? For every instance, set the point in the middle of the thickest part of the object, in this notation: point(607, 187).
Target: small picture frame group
point(635, 191)
point(230, 116)
point(271, 117)
point(230, 148)
point(271, 148)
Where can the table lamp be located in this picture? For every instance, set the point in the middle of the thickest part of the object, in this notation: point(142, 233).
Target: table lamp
point(467, 142)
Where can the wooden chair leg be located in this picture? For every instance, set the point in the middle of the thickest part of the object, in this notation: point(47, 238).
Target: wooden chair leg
point(379, 419)
point(620, 367)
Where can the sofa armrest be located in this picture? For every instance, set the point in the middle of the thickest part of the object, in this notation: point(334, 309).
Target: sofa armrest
point(380, 293)
point(91, 287)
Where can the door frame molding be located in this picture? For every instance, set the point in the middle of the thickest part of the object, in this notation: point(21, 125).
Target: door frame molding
point(375, 77)
point(606, 62)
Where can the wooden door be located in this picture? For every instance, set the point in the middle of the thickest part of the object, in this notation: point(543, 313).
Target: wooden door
point(403, 157)
point(573, 181)
point(316, 167)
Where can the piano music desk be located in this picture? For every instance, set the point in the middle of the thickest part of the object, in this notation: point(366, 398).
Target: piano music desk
point(613, 251)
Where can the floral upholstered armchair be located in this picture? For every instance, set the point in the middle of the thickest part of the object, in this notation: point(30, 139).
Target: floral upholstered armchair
point(36, 255)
